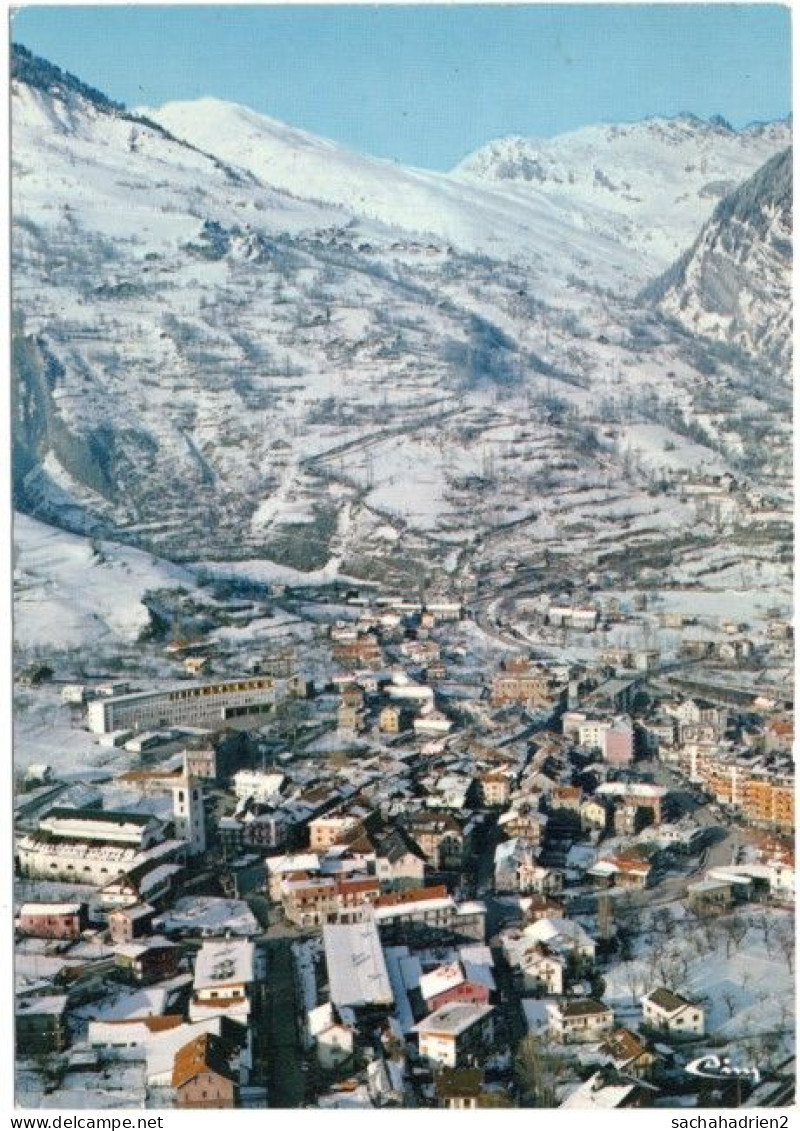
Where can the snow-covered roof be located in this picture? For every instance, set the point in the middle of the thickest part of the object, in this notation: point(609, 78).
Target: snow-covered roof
point(553, 931)
point(453, 1018)
point(224, 962)
point(357, 971)
point(411, 907)
point(301, 862)
point(441, 979)
point(29, 909)
point(53, 1004)
point(320, 1019)
point(595, 1093)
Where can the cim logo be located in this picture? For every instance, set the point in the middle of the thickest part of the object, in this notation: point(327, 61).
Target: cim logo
point(722, 1068)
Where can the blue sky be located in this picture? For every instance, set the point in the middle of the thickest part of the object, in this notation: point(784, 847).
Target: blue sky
point(427, 84)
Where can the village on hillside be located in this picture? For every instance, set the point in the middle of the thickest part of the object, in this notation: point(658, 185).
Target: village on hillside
point(336, 847)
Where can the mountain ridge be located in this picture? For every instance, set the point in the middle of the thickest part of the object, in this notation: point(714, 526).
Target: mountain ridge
point(213, 367)
point(734, 283)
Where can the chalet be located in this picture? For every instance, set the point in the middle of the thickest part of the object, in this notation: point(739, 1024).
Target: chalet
point(350, 718)
point(463, 1089)
point(333, 828)
point(335, 1040)
point(542, 971)
point(441, 837)
point(541, 907)
point(352, 696)
point(224, 975)
point(622, 871)
point(607, 1090)
point(390, 720)
point(566, 799)
point(628, 1053)
point(565, 937)
point(668, 1012)
point(710, 897)
point(202, 1075)
point(579, 1019)
point(523, 819)
point(452, 982)
point(399, 863)
point(495, 788)
point(151, 960)
point(594, 815)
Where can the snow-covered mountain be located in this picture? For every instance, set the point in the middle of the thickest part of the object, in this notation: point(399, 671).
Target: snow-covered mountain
point(539, 230)
point(660, 179)
point(256, 345)
point(735, 283)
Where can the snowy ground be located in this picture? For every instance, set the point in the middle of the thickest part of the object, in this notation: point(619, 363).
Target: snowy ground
point(745, 983)
point(70, 592)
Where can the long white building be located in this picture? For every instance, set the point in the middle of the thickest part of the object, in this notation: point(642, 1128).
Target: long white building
point(195, 704)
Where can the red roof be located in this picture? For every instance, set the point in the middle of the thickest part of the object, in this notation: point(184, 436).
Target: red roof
point(398, 898)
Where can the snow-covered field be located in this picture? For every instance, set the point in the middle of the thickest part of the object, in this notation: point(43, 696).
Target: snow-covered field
point(745, 982)
point(70, 592)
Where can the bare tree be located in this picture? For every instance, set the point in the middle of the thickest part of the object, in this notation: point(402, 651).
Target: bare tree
point(784, 937)
point(635, 980)
point(663, 922)
point(538, 1069)
point(735, 929)
point(765, 923)
point(729, 997)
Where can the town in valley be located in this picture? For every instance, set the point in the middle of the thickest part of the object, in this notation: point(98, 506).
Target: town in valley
point(403, 664)
point(400, 858)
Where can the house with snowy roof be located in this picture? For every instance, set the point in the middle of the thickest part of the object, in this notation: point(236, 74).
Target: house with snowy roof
point(565, 937)
point(456, 1032)
point(607, 1090)
point(453, 981)
point(579, 1019)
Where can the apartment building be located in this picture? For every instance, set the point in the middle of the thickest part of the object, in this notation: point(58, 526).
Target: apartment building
point(532, 686)
point(312, 902)
point(202, 704)
point(456, 1032)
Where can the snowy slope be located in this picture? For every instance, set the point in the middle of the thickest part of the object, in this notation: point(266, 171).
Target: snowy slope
point(71, 593)
point(660, 178)
point(533, 227)
point(211, 366)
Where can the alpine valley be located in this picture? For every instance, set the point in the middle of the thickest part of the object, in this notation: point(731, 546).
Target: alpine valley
point(234, 342)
